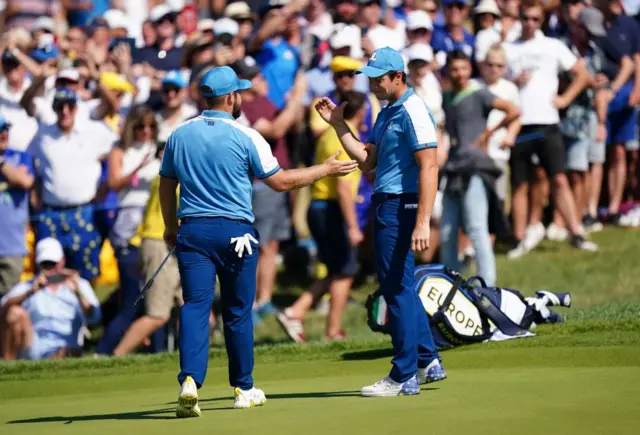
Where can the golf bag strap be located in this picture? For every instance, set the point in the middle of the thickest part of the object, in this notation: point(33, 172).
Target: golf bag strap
point(475, 278)
point(500, 319)
point(447, 300)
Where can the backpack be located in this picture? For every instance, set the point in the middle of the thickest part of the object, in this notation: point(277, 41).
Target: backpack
point(461, 311)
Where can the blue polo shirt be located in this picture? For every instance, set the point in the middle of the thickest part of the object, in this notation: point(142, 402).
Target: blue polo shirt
point(279, 63)
point(401, 129)
point(215, 159)
point(14, 207)
point(442, 41)
point(625, 35)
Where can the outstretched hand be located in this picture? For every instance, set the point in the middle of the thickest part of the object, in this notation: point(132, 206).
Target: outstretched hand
point(340, 167)
point(331, 113)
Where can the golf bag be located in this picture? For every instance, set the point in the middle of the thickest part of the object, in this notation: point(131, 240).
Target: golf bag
point(467, 311)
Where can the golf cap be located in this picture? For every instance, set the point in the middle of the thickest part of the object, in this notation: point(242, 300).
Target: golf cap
point(116, 82)
point(226, 26)
point(340, 39)
point(174, 78)
point(206, 24)
point(65, 94)
point(69, 74)
point(419, 20)
point(593, 20)
point(420, 52)
point(4, 124)
point(222, 81)
point(382, 61)
point(49, 249)
point(454, 2)
point(238, 11)
point(246, 68)
point(116, 19)
point(344, 63)
point(44, 23)
point(487, 7)
point(159, 13)
point(45, 49)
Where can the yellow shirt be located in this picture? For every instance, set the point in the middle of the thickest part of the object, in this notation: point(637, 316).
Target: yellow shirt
point(152, 225)
point(327, 145)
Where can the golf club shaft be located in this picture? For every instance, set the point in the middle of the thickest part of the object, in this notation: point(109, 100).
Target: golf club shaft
point(149, 283)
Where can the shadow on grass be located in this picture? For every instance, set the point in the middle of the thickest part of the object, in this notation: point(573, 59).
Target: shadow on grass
point(157, 414)
point(368, 354)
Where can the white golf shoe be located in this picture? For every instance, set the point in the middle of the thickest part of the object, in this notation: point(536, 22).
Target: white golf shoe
point(248, 399)
point(387, 387)
point(188, 400)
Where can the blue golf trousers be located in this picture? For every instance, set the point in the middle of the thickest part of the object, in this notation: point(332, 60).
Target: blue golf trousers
point(204, 250)
point(413, 345)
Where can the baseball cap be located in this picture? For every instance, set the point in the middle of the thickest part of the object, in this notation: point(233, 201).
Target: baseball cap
point(44, 23)
point(222, 81)
point(226, 25)
point(246, 68)
point(158, 13)
point(206, 24)
point(116, 19)
point(174, 78)
point(4, 123)
point(44, 52)
point(69, 74)
point(593, 20)
point(454, 2)
point(115, 82)
point(420, 52)
point(340, 39)
point(419, 20)
point(487, 7)
point(382, 61)
point(49, 249)
point(238, 11)
point(344, 63)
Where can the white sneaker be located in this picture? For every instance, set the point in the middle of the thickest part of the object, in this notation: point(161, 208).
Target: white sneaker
point(188, 399)
point(387, 387)
point(556, 233)
point(517, 252)
point(533, 236)
point(248, 399)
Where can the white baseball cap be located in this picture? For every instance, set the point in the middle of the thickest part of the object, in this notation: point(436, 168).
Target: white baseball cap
point(116, 19)
point(49, 249)
point(487, 7)
point(226, 25)
point(420, 52)
point(419, 20)
point(176, 5)
point(341, 38)
point(70, 74)
point(206, 24)
point(159, 12)
point(238, 10)
point(44, 23)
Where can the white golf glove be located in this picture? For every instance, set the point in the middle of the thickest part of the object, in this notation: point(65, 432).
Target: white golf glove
point(243, 243)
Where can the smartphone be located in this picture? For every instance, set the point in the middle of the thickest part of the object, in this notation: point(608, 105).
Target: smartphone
point(57, 278)
point(131, 42)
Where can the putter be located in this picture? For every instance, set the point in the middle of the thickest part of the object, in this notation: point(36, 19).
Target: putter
point(149, 283)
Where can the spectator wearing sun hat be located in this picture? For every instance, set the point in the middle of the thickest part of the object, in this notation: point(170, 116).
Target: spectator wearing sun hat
point(506, 29)
point(241, 14)
point(175, 109)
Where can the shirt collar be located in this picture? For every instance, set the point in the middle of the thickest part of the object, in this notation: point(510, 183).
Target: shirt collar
point(400, 101)
point(216, 114)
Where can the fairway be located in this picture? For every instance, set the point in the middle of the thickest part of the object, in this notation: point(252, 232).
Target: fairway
point(581, 377)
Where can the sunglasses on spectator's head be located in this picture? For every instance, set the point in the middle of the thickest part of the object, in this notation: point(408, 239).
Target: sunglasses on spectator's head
point(168, 89)
point(59, 105)
point(459, 6)
point(342, 74)
point(532, 18)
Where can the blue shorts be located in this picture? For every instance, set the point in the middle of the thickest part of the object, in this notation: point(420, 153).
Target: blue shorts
point(76, 231)
point(329, 231)
point(621, 118)
point(39, 349)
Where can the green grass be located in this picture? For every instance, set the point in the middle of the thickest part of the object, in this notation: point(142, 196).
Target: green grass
point(580, 377)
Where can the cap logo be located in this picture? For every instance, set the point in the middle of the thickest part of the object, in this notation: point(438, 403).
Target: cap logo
point(373, 56)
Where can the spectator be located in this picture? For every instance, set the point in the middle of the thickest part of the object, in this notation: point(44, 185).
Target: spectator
point(334, 226)
point(453, 36)
point(117, 22)
point(507, 29)
point(175, 108)
point(16, 180)
point(270, 208)
point(67, 156)
point(623, 33)
point(344, 77)
point(419, 28)
point(43, 318)
point(535, 61)
point(485, 16)
point(470, 172)
point(74, 43)
point(374, 34)
point(228, 47)
point(24, 14)
point(241, 14)
point(501, 141)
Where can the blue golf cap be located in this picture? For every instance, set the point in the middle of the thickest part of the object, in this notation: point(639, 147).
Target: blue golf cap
point(174, 78)
point(43, 54)
point(4, 123)
point(222, 81)
point(382, 61)
point(65, 94)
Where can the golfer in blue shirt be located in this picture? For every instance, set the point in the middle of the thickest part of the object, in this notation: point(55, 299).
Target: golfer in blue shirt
point(214, 160)
point(402, 150)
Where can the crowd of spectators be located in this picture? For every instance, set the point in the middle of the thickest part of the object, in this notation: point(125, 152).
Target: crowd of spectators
point(535, 103)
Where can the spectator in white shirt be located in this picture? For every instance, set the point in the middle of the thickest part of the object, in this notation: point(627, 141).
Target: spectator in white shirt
point(44, 317)
point(500, 143)
point(374, 34)
point(506, 29)
point(419, 28)
point(68, 158)
point(535, 62)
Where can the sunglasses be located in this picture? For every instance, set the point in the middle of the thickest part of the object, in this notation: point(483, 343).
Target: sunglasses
point(532, 18)
point(143, 125)
point(241, 21)
point(343, 74)
point(169, 89)
point(459, 6)
point(59, 105)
